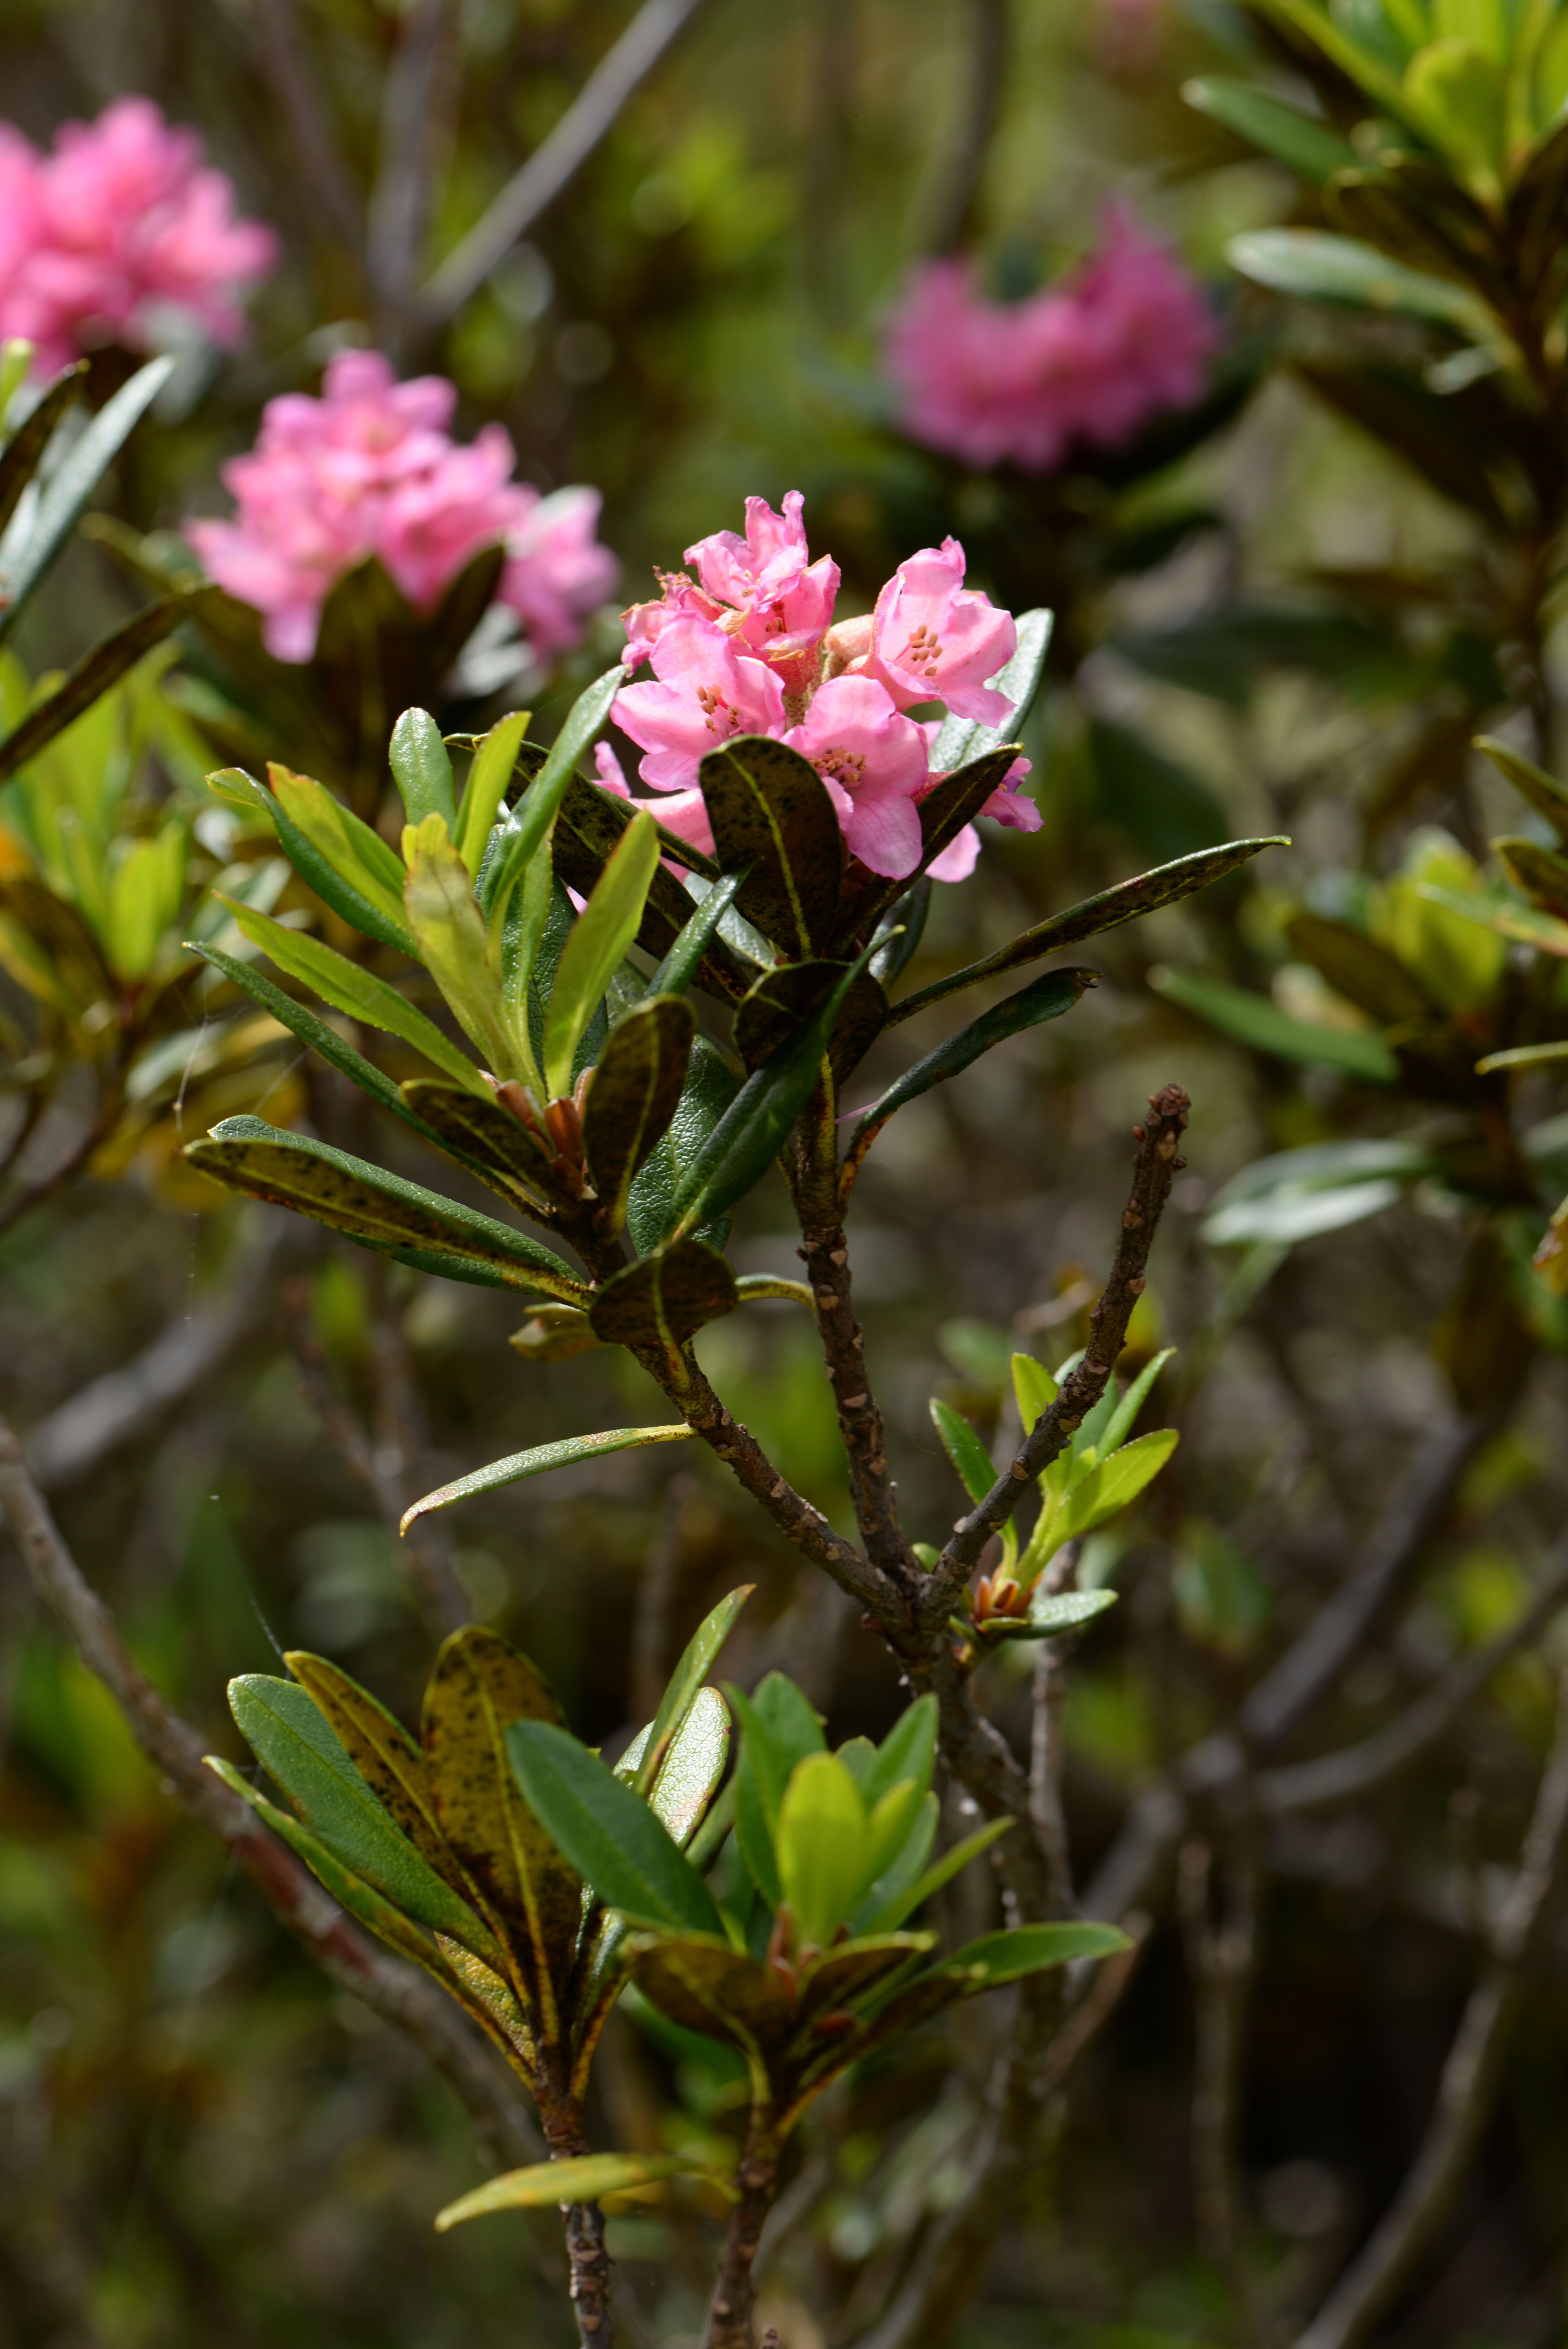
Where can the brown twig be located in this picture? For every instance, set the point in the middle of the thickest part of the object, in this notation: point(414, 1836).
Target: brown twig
point(412, 2007)
point(729, 2313)
point(825, 1254)
point(1351, 2314)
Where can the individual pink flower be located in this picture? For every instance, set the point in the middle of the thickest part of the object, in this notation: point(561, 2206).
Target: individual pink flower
point(1094, 358)
point(120, 235)
point(370, 469)
point(706, 691)
point(780, 601)
point(934, 640)
point(874, 763)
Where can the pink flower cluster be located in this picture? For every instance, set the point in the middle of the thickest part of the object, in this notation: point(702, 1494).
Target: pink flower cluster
point(1092, 359)
point(748, 646)
point(370, 469)
point(118, 234)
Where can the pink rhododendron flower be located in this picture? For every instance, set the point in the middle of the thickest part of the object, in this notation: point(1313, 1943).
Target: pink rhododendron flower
point(369, 469)
point(749, 647)
point(1092, 359)
point(120, 233)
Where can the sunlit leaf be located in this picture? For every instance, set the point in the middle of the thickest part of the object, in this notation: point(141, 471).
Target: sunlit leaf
point(586, 2179)
point(608, 1833)
point(539, 1461)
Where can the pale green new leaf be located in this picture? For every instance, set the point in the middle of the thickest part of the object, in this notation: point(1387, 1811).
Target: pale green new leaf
point(449, 931)
point(904, 1903)
point(1029, 1949)
point(494, 762)
point(540, 1461)
point(1115, 1483)
point(822, 1847)
point(597, 942)
point(422, 770)
point(584, 2178)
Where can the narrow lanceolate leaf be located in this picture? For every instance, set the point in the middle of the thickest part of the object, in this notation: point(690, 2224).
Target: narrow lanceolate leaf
point(20, 458)
point(1293, 139)
point(1029, 1950)
point(666, 1299)
point(684, 960)
point(1124, 903)
point(710, 1087)
point(422, 770)
point(769, 810)
point(903, 1904)
point(478, 1686)
point(495, 762)
point(1522, 1056)
point(386, 1756)
point(822, 1847)
point(482, 1132)
point(378, 1209)
point(289, 1733)
point(1545, 793)
point(93, 674)
point(607, 1832)
point(595, 946)
point(450, 931)
point(1043, 999)
point(22, 564)
point(750, 1134)
point(531, 820)
point(1116, 1483)
point(964, 1448)
point(349, 867)
point(1317, 267)
point(349, 987)
point(1253, 1020)
point(1540, 873)
point(635, 1092)
point(586, 2179)
point(701, 1652)
point(694, 1763)
point(539, 1461)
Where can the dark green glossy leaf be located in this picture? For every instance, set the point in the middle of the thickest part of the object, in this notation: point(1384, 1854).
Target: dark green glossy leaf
point(370, 1205)
point(1123, 903)
point(710, 1087)
point(422, 770)
point(543, 1457)
point(484, 1134)
point(69, 487)
point(290, 1735)
point(999, 1958)
point(635, 1092)
point(666, 1299)
point(1291, 137)
point(94, 675)
point(386, 1757)
point(703, 1984)
point(681, 964)
point(1043, 999)
point(608, 1833)
point(769, 811)
point(480, 1686)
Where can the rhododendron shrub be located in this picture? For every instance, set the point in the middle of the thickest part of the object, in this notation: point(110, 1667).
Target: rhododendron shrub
point(121, 233)
point(750, 646)
point(370, 469)
point(1089, 361)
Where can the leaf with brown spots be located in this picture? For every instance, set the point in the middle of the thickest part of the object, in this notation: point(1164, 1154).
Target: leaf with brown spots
point(386, 1757)
point(478, 1686)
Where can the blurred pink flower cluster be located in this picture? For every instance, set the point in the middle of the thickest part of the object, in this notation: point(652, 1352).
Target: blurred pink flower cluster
point(370, 469)
point(748, 646)
point(1094, 358)
point(119, 234)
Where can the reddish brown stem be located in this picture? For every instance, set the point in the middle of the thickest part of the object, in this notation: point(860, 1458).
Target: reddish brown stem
point(757, 2179)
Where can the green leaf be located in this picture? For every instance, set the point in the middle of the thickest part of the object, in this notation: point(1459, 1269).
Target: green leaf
point(538, 1461)
point(349, 867)
point(691, 1765)
point(770, 812)
point(22, 452)
point(451, 935)
point(349, 987)
point(584, 2178)
point(635, 1095)
point(288, 1732)
point(681, 964)
point(822, 1847)
point(1291, 137)
point(93, 674)
point(482, 1131)
point(1543, 792)
point(905, 1899)
point(494, 764)
point(681, 1692)
point(1115, 1484)
point(998, 1958)
point(378, 1209)
point(422, 770)
point(1050, 1614)
point(1317, 267)
point(1458, 95)
point(961, 741)
point(750, 1134)
point(480, 1685)
point(908, 1751)
point(666, 1299)
point(710, 1087)
point(526, 828)
point(700, 1983)
point(964, 1449)
point(1298, 1194)
point(1044, 999)
point(146, 889)
point(1123, 903)
point(608, 1833)
point(778, 1730)
point(598, 941)
point(1118, 1422)
point(68, 488)
point(1522, 1056)
point(1253, 1020)
point(1540, 872)
point(1034, 1388)
point(388, 1759)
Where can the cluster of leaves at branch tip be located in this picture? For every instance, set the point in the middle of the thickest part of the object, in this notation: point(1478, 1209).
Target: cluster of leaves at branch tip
point(1097, 1475)
point(587, 1095)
